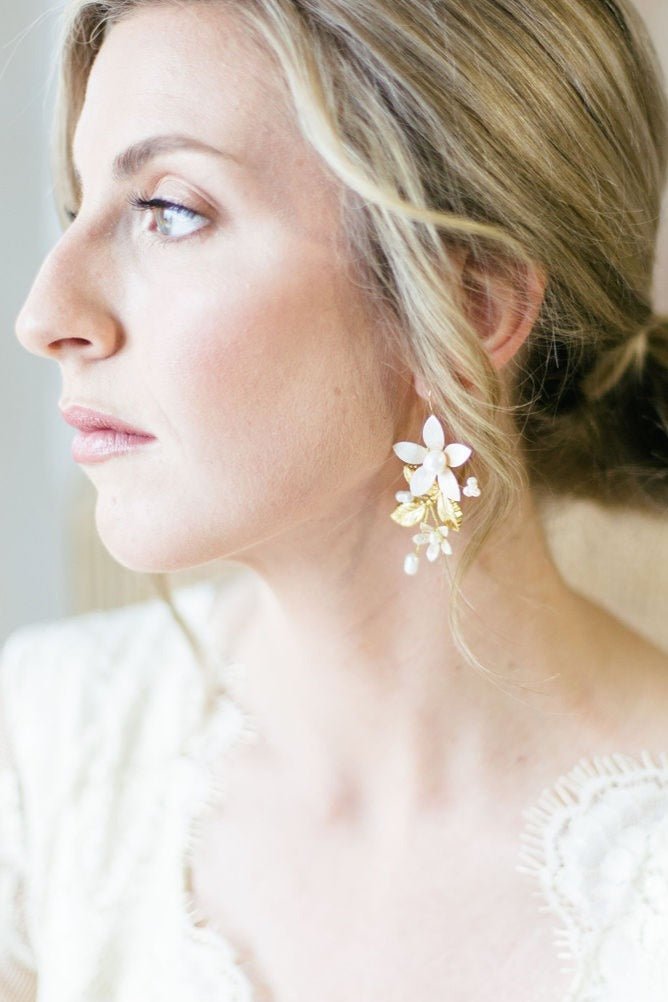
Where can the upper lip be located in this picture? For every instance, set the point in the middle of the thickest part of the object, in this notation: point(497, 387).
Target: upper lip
point(89, 420)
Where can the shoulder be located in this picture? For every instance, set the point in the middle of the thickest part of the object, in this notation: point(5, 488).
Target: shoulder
point(100, 639)
point(52, 668)
point(59, 658)
point(115, 627)
point(637, 683)
point(82, 689)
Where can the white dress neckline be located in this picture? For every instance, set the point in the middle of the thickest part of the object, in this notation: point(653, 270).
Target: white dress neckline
point(584, 807)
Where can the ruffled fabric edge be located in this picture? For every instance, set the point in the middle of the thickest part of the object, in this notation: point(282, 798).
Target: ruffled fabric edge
point(567, 802)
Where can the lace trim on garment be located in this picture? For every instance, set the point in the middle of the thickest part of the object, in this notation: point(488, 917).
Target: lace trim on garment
point(597, 843)
point(223, 727)
point(226, 728)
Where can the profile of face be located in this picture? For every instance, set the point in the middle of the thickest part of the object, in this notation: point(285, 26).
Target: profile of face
point(230, 326)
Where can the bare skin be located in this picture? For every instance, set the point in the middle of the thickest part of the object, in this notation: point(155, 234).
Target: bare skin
point(389, 776)
point(362, 892)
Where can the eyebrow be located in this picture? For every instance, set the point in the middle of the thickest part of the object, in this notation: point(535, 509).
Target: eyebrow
point(128, 163)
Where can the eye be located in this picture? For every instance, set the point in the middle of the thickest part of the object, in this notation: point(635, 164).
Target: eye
point(171, 217)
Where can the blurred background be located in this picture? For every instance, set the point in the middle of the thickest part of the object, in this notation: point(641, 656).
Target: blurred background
point(53, 564)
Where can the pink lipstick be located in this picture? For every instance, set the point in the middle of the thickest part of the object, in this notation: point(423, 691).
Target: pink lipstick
point(102, 436)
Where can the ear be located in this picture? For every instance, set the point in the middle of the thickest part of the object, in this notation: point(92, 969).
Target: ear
point(503, 308)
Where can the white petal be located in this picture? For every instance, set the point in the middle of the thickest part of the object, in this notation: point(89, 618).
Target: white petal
point(403, 496)
point(457, 453)
point(445, 546)
point(409, 452)
point(433, 551)
point(421, 481)
point(432, 433)
point(443, 530)
point(447, 481)
point(421, 537)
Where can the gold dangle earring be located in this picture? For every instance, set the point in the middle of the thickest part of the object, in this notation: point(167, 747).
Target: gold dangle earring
point(434, 490)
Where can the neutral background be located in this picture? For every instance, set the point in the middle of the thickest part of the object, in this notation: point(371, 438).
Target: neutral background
point(52, 562)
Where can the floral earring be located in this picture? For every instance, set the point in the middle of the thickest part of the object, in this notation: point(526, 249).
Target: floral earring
point(434, 490)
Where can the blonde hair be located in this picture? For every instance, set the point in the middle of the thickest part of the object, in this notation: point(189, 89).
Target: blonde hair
point(530, 133)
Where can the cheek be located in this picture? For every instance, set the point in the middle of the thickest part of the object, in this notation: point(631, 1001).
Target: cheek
point(265, 384)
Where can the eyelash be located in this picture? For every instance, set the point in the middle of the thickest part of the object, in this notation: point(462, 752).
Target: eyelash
point(141, 203)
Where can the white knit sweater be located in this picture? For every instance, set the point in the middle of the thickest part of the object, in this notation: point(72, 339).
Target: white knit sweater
point(108, 730)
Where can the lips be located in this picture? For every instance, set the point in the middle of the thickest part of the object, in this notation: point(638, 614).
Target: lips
point(86, 419)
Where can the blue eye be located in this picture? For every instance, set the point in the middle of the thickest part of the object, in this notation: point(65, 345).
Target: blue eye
point(169, 213)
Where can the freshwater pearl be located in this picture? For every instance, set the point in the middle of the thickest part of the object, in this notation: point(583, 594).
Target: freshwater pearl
point(411, 563)
point(435, 461)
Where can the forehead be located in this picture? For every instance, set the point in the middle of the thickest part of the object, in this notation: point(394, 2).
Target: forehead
point(191, 69)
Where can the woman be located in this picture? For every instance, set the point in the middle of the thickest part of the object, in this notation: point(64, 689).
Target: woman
point(382, 289)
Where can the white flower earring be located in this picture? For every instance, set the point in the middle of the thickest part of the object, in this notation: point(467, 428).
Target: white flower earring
point(434, 490)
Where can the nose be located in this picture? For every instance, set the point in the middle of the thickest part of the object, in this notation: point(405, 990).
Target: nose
point(68, 307)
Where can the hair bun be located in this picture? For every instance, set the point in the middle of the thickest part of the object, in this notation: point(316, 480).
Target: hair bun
point(629, 359)
point(619, 428)
point(655, 334)
point(639, 402)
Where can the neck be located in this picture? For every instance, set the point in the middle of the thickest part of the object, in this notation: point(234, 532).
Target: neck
point(361, 698)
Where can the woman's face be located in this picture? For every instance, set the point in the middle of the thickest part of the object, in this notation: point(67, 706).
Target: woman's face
point(235, 334)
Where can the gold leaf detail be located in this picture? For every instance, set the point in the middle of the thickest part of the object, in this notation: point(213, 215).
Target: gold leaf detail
point(449, 512)
point(409, 513)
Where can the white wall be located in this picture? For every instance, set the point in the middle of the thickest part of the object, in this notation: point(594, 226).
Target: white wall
point(34, 460)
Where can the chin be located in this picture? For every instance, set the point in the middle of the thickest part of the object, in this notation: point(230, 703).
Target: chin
point(147, 541)
point(146, 545)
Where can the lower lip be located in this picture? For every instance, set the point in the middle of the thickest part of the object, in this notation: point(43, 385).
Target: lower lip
point(96, 446)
